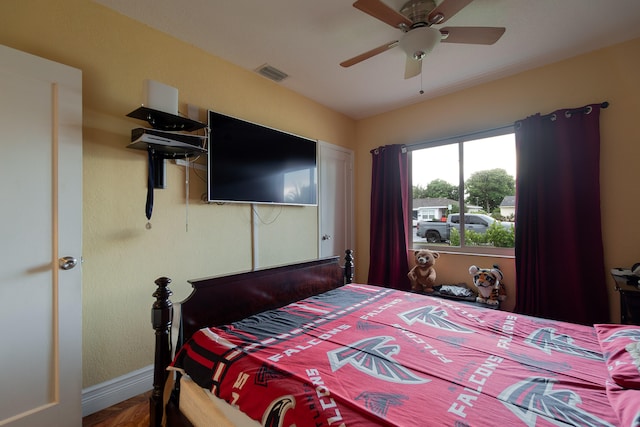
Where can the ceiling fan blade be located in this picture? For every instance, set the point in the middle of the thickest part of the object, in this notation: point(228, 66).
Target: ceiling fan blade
point(471, 35)
point(384, 13)
point(369, 54)
point(446, 10)
point(413, 67)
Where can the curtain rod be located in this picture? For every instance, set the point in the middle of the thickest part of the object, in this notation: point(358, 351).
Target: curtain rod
point(586, 108)
point(568, 112)
point(571, 111)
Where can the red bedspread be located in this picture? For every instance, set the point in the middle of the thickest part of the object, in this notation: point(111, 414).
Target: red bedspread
point(363, 355)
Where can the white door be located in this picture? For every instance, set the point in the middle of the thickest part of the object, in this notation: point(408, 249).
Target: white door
point(40, 223)
point(336, 199)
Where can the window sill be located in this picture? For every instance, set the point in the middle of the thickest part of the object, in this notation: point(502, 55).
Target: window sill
point(470, 250)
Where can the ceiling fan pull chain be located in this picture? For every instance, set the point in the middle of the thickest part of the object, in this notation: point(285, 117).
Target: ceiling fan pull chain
point(421, 89)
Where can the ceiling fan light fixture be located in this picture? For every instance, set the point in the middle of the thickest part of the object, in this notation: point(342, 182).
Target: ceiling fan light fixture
point(420, 41)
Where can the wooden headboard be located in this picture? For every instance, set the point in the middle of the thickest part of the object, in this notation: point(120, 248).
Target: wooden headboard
point(225, 299)
point(221, 300)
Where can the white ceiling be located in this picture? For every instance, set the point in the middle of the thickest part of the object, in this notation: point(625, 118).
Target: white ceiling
point(308, 39)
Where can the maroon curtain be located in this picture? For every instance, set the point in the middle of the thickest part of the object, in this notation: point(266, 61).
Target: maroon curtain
point(559, 256)
point(388, 264)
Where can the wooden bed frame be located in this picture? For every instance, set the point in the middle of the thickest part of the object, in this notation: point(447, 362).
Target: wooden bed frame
point(225, 299)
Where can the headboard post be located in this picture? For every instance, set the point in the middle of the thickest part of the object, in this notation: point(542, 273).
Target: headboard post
point(161, 319)
point(348, 266)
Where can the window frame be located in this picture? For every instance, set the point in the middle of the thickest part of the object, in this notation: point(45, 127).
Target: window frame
point(460, 139)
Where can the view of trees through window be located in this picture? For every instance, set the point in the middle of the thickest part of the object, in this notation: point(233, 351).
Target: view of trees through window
point(475, 175)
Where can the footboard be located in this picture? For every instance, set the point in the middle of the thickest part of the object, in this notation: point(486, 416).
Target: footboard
point(225, 299)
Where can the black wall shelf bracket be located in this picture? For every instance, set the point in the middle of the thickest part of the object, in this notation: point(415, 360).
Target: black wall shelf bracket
point(165, 121)
point(168, 139)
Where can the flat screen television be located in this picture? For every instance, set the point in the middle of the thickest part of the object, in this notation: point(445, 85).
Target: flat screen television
point(250, 163)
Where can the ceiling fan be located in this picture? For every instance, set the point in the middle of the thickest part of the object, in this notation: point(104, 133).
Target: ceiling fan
point(416, 19)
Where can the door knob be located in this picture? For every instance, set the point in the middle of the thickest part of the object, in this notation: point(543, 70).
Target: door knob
point(67, 263)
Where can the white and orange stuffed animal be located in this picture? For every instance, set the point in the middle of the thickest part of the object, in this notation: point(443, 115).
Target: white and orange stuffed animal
point(423, 275)
point(489, 283)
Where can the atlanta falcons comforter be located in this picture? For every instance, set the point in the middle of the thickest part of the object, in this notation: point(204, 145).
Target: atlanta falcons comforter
point(363, 356)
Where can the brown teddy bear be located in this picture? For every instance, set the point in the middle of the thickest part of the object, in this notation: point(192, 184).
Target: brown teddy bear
point(423, 275)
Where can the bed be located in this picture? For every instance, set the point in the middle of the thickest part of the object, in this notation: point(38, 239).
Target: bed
point(302, 345)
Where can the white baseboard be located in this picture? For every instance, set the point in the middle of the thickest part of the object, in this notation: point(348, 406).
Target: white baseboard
point(108, 393)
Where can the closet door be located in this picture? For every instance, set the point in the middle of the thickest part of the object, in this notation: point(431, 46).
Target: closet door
point(336, 200)
point(40, 241)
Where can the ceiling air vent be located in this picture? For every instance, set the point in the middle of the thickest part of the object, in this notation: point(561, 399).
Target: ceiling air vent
point(271, 73)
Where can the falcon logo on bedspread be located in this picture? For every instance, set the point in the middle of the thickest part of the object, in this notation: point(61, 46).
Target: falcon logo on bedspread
point(535, 397)
point(433, 316)
point(632, 334)
point(274, 415)
point(373, 357)
point(547, 340)
point(379, 403)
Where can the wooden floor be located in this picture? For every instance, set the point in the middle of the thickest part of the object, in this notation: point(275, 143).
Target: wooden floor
point(130, 413)
point(133, 413)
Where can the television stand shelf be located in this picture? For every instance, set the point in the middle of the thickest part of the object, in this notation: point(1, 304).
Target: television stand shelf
point(165, 121)
point(170, 145)
point(168, 139)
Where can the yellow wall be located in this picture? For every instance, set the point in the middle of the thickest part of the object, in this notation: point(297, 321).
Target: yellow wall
point(123, 258)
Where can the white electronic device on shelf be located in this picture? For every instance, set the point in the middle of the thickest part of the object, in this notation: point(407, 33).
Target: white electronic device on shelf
point(141, 138)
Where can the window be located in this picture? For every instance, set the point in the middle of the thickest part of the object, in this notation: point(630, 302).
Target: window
point(428, 214)
point(473, 177)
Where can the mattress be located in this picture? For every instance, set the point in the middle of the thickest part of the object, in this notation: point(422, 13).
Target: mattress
point(203, 409)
